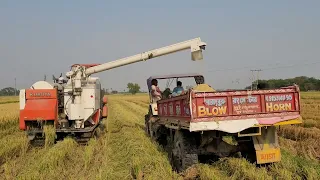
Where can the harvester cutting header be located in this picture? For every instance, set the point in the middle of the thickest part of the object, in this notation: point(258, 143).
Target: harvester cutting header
point(76, 106)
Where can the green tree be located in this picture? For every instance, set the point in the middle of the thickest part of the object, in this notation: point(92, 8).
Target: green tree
point(9, 91)
point(133, 88)
point(305, 83)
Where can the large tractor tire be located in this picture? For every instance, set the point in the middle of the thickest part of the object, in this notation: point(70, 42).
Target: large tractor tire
point(150, 128)
point(169, 146)
point(184, 153)
point(146, 124)
point(153, 130)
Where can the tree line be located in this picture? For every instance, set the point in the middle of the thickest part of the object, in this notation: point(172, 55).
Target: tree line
point(9, 91)
point(133, 88)
point(305, 83)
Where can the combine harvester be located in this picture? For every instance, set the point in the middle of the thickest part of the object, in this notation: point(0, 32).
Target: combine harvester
point(76, 107)
point(195, 123)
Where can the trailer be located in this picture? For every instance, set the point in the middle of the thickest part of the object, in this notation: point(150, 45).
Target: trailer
point(197, 122)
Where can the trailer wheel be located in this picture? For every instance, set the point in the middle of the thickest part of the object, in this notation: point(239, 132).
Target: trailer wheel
point(169, 147)
point(247, 151)
point(184, 151)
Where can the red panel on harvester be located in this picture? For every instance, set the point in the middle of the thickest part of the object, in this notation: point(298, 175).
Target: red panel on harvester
point(38, 109)
point(41, 104)
point(43, 109)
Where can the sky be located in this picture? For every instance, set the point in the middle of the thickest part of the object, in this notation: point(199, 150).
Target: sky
point(40, 38)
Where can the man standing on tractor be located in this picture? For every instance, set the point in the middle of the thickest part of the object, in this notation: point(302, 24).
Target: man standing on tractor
point(178, 90)
point(155, 91)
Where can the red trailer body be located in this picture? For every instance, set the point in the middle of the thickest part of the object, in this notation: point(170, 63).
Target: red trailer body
point(265, 107)
point(195, 123)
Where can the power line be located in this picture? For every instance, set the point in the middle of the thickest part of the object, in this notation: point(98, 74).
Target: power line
point(257, 77)
point(270, 68)
point(292, 65)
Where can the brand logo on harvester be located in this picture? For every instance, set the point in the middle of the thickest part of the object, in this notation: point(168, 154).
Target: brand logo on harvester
point(40, 94)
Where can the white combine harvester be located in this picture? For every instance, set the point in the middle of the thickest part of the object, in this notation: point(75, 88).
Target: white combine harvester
point(76, 106)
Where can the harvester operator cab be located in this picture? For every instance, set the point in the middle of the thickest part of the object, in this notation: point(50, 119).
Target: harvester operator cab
point(59, 80)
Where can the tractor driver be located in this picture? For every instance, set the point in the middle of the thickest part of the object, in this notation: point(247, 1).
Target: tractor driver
point(155, 91)
point(178, 90)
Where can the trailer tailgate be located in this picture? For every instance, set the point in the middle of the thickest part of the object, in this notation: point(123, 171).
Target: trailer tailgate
point(234, 111)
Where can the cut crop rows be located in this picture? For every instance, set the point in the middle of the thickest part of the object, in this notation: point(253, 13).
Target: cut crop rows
point(125, 152)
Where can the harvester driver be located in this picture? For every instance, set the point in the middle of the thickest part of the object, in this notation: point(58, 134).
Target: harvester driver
point(155, 91)
point(61, 80)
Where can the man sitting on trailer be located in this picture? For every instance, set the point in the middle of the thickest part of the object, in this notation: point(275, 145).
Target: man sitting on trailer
point(155, 91)
point(178, 90)
point(166, 93)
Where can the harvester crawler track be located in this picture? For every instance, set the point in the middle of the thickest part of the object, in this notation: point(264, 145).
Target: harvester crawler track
point(39, 141)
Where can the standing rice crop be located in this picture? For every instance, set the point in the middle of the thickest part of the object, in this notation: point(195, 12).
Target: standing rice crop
point(49, 132)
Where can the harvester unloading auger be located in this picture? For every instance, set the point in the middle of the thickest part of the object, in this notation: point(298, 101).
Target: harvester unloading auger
point(76, 107)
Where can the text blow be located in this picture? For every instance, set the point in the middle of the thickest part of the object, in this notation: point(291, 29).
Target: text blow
point(212, 111)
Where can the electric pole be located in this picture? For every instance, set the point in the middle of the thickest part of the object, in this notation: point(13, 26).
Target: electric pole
point(255, 78)
point(15, 86)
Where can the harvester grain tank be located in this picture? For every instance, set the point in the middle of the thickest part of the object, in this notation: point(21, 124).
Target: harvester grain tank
point(75, 106)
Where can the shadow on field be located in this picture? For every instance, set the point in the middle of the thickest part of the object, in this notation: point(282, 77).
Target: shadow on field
point(208, 159)
point(136, 125)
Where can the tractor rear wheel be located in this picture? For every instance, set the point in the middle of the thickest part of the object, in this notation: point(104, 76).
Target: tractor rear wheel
point(184, 152)
point(153, 129)
point(146, 124)
point(147, 118)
